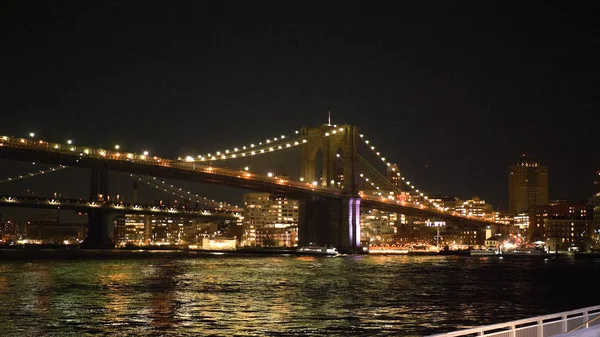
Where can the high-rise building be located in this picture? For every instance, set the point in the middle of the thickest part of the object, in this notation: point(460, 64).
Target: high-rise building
point(393, 175)
point(263, 211)
point(527, 185)
point(597, 183)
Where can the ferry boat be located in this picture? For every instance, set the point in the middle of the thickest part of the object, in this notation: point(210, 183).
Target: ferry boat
point(317, 250)
point(530, 252)
point(484, 252)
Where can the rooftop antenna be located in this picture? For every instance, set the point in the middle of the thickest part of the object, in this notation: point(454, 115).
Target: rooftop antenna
point(329, 119)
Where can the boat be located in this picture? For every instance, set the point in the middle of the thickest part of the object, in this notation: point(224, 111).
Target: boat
point(483, 252)
point(526, 252)
point(317, 250)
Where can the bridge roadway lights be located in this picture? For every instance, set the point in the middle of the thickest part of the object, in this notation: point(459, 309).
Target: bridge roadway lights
point(330, 222)
point(100, 230)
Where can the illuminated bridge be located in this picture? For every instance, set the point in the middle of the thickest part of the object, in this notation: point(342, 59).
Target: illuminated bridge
point(88, 206)
point(335, 177)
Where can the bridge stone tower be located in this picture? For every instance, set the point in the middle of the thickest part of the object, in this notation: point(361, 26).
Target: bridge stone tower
point(324, 143)
point(325, 221)
point(100, 221)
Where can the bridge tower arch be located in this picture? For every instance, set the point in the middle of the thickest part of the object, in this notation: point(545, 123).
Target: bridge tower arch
point(330, 141)
point(327, 221)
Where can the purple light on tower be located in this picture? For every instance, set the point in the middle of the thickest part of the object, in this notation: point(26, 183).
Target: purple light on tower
point(357, 210)
point(350, 225)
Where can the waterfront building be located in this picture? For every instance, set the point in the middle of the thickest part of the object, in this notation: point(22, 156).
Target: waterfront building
point(47, 228)
point(527, 185)
point(568, 227)
point(262, 211)
point(537, 222)
point(277, 236)
point(493, 242)
point(131, 229)
point(597, 183)
point(462, 237)
point(378, 226)
point(141, 229)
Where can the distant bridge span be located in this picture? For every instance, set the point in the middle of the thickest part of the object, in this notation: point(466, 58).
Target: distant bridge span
point(80, 205)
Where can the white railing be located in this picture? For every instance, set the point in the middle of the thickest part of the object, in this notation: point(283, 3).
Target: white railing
point(540, 326)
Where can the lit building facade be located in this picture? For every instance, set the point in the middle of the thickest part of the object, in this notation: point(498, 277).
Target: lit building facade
point(264, 211)
point(568, 226)
point(277, 236)
point(527, 185)
point(505, 219)
point(537, 222)
point(378, 227)
point(463, 237)
point(475, 208)
point(596, 221)
point(521, 222)
point(131, 229)
point(445, 202)
point(141, 230)
point(9, 230)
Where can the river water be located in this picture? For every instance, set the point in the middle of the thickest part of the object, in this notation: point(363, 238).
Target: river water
point(180, 294)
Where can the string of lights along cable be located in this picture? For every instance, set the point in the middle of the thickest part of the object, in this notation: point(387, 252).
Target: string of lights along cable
point(33, 174)
point(269, 145)
point(408, 183)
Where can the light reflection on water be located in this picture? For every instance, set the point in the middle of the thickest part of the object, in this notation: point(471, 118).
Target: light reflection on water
point(283, 295)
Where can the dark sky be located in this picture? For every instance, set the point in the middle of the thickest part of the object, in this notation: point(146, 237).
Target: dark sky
point(452, 91)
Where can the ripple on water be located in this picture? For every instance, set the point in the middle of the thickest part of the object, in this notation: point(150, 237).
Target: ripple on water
point(283, 295)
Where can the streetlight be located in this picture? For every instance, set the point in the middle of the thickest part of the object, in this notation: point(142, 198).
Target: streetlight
point(270, 174)
point(69, 142)
point(246, 168)
point(32, 134)
point(146, 153)
point(117, 147)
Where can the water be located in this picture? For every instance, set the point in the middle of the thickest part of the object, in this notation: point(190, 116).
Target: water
point(171, 294)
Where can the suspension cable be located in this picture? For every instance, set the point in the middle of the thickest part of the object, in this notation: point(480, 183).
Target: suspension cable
point(33, 174)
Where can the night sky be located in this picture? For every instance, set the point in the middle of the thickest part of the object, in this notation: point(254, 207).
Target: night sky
point(452, 91)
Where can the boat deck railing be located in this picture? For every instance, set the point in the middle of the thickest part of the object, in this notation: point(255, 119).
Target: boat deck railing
point(556, 324)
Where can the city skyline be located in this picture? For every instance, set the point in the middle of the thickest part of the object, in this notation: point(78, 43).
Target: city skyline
point(452, 124)
point(299, 168)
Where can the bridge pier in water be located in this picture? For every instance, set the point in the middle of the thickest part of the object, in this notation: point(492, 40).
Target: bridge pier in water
point(100, 222)
point(330, 222)
point(100, 230)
